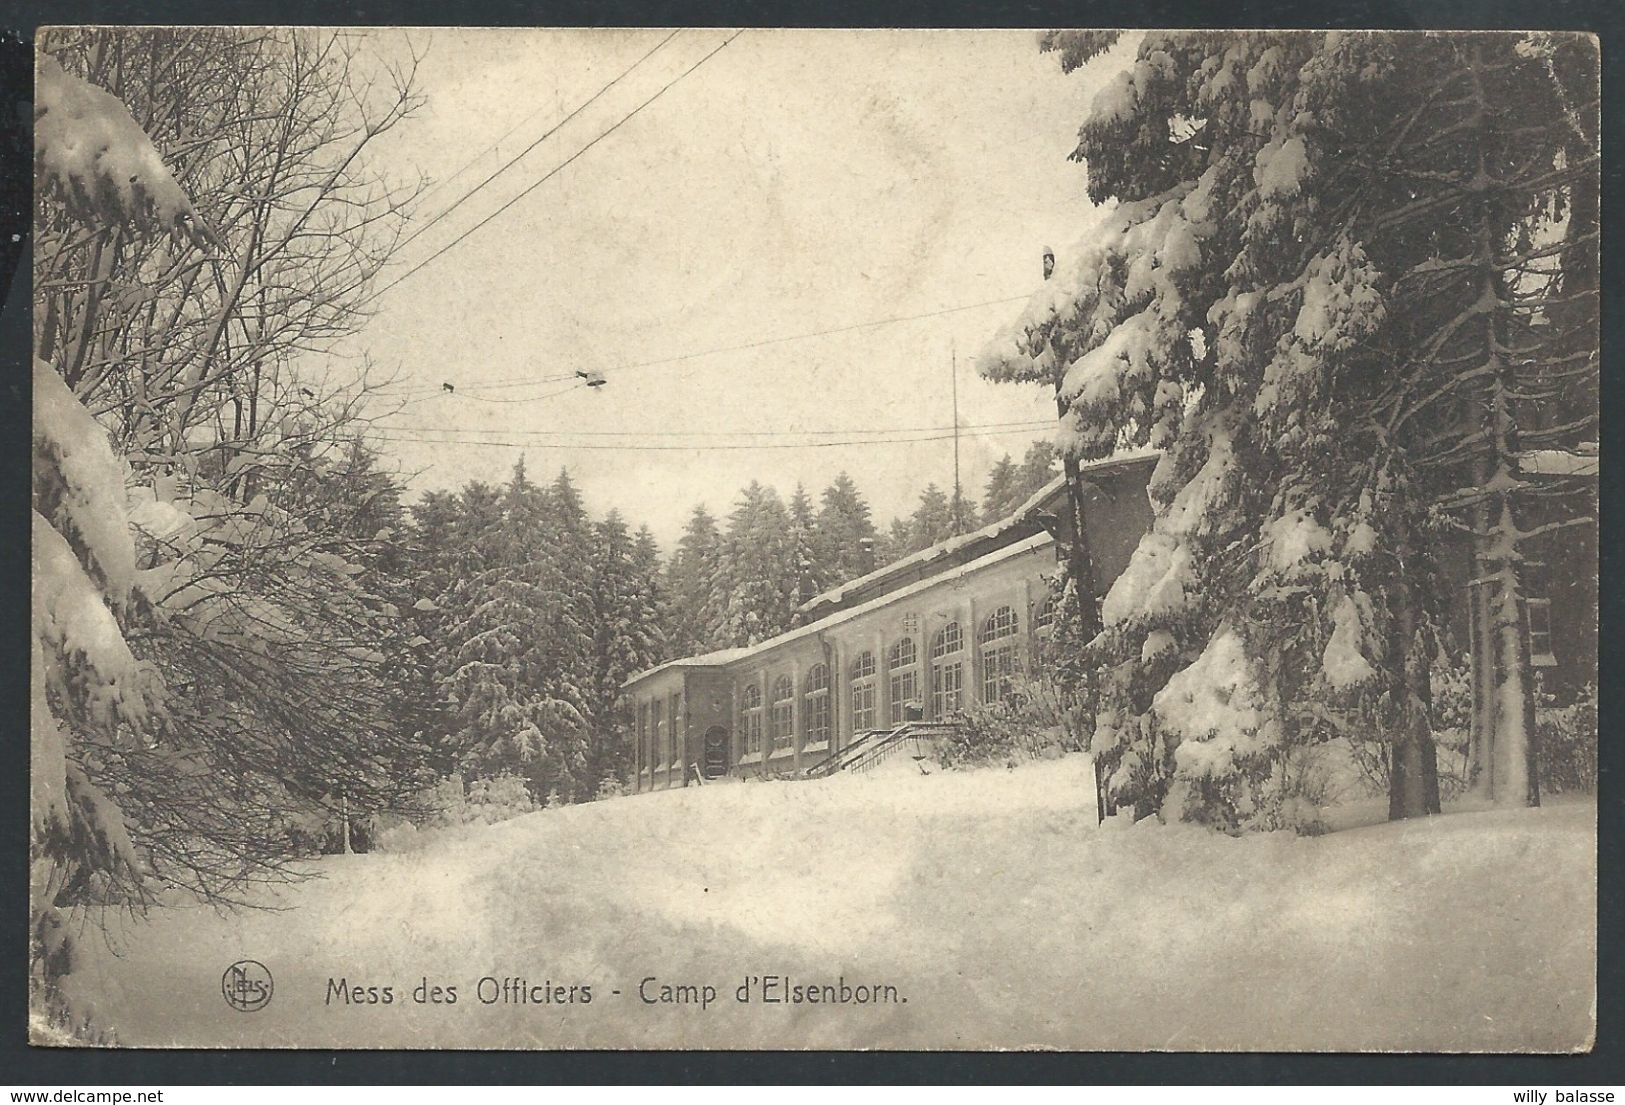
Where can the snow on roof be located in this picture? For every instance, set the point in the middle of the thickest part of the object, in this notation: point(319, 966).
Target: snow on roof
point(1558, 462)
point(703, 660)
point(729, 655)
point(959, 541)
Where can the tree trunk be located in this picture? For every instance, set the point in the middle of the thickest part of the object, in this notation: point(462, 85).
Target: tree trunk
point(1514, 779)
point(1481, 618)
point(1510, 753)
point(1413, 768)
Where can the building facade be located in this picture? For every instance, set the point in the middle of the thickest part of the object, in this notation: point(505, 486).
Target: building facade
point(915, 640)
point(950, 626)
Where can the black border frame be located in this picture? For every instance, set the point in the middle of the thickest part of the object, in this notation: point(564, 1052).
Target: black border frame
point(56, 1067)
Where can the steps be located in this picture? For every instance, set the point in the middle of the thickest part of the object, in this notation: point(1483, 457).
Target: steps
point(912, 738)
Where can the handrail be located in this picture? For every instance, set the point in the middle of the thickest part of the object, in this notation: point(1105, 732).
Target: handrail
point(874, 746)
point(841, 757)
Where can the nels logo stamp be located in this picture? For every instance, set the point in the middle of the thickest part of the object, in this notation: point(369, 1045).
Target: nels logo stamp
point(247, 985)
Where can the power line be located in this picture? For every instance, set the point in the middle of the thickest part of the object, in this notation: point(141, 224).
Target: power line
point(533, 398)
point(1031, 424)
point(757, 344)
point(436, 392)
point(683, 448)
point(551, 173)
point(509, 133)
point(410, 238)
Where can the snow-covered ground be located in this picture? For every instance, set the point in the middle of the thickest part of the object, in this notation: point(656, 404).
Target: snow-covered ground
point(989, 899)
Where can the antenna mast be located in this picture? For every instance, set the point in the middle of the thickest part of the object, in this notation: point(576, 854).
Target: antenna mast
point(953, 375)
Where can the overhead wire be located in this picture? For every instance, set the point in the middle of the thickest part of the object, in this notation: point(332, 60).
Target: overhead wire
point(725, 447)
point(1026, 424)
point(551, 173)
point(513, 382)
point(554, 129)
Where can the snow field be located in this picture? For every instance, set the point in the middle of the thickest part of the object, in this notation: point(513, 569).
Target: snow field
point(989, 898)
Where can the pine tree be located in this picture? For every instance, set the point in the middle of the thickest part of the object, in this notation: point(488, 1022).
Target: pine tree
point(1277, 311)
point(897, 543)
point(933, 519)
point(753, 587)
point(688, 585)
point(626, 640)
point(1001, 496)
point(805, 566)
point(1039, 466)
point(962, 513)
point(845, 532)
point(518, 648)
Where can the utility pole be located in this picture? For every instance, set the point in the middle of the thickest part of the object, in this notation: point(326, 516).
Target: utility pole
point(953, 377)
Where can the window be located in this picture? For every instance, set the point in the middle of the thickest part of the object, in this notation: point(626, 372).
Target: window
point(904, 676)
point(1537, 601)
point(863, 693)
point(784, 713)
point(998, 641)
point(679, 746)
point(751, 704)
point(947, 671)
point(644, 760)
point(816, 697)
point(657, 734)
point(1044, 618)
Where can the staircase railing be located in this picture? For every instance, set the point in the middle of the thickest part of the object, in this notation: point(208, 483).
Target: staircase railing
point(879, 745)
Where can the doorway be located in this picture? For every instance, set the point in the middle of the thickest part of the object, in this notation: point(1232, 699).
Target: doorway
point(716, 752)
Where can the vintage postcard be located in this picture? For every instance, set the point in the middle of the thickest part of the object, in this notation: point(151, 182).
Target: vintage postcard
point(767, 539)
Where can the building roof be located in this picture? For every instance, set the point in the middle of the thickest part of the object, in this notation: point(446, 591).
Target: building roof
point(1022, 515)
point(729, 655)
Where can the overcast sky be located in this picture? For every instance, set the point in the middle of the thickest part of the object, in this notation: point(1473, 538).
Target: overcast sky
point(795, 182)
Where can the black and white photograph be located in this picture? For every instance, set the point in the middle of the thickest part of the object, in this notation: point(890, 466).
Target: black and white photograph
point(789, 539)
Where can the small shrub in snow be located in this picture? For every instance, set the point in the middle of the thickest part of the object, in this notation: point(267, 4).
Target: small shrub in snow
point(400, 837)
point(1568, 743)
point(497, 799)
point(482, 801)
point(1362, 727)
point(1037, 720)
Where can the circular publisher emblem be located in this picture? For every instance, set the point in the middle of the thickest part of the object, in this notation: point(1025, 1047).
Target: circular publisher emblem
point(247, 985)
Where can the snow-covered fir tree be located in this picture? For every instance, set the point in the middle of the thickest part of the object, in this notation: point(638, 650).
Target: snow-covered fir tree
point(933, 519)
point(846, 534)
point(807, 569)
point(688, 586)
point(1251, 301)
point(753, 586)
point(193, 531)
point(627, 638)
point(1000, 496)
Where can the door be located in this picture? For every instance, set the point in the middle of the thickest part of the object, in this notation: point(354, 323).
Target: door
point(716, 752)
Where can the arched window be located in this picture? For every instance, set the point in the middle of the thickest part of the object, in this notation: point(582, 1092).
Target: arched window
point(947, 671)
point(751, 704)
point(999, 663)
point(1044, 617)
point(903, 674)
point(816, 709)
point(784, 713)
point(863, 693)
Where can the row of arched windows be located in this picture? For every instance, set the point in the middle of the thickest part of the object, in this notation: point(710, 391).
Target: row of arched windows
point(997, 639)
point(780, 727)
point(770, 726)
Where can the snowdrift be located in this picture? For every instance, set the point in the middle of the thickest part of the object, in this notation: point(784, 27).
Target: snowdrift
point(990, 900)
